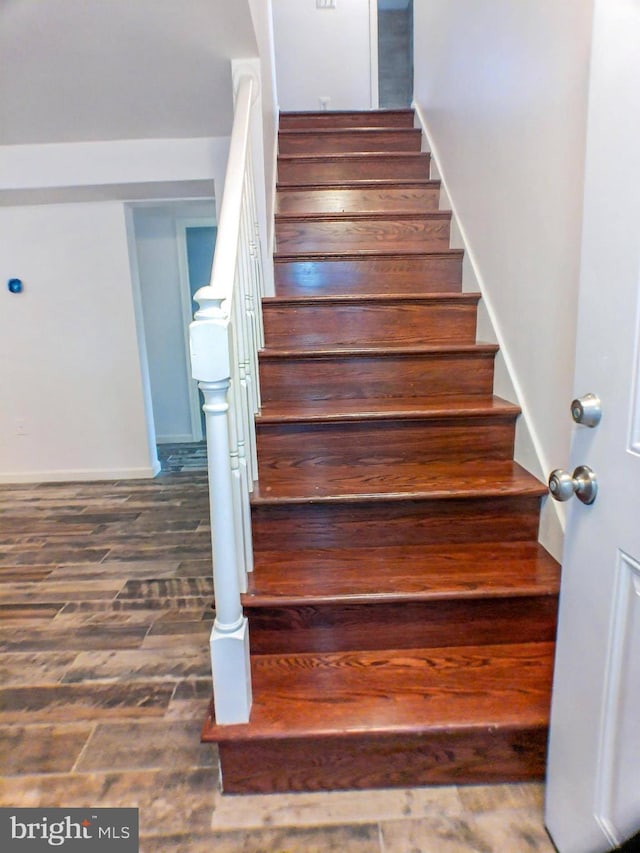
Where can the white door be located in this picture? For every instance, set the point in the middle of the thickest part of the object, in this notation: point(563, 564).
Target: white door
point(593, 791)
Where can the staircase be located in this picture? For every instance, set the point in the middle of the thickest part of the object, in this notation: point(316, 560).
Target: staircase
point(402, 614)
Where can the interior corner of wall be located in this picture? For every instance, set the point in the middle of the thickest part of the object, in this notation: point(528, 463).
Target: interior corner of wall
point(143, 360)
point(470, 281)
point(552, 514)
point(552, 527)
point(456, 240)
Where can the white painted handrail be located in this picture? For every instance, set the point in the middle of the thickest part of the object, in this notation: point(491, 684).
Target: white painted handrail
point(225, 336)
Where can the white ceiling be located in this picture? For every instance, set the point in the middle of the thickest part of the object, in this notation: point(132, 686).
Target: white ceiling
point(85, 70)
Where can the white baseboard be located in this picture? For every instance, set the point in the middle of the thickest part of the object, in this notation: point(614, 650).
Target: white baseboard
point(80, 475)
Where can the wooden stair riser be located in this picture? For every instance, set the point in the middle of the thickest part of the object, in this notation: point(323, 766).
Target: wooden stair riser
point(335, 763)
point(332, 141)
point(401, 233)
point(390, 375)
point(331, 324)
point(401, 442)
point(334, 168)
point(418, 198)
point(290, 527)
point(337, 119)
point(404, 625)
point(440, 273)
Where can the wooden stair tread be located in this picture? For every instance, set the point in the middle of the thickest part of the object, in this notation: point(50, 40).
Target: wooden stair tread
point(335, 116)
point(362, 231)
point(354, 138)
point(351, 182)
point(360, 254)
point(401, 573)
point(325, 411)
point(364, 183)
point(314, 482)
point(417, 195)
point(363, 215)
point(433, 254)
point(372, 351)
point(466, 298)
point(338, 131)
point(380, 273)
point(356, 155)
point(351, 167)
point(396, 691)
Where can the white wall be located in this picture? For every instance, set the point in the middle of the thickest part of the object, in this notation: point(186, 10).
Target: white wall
point(71, 382)
point(322, 52)
point(122, 169)
point(119, 69)
point(502, 89)
point(158, 262)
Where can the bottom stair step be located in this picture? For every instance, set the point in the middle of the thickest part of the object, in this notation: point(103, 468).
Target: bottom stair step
point(390, 718)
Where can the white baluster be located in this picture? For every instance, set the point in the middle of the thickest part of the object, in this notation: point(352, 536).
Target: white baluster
point(257, 250)
point(241, 416)
point(250, 365)
point(252, 297)
point(239, 475)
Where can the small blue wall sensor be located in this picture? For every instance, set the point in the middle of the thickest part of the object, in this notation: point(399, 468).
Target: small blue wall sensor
point(14, 285)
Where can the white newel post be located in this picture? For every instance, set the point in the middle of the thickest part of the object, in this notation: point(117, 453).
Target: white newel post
point(211, 365)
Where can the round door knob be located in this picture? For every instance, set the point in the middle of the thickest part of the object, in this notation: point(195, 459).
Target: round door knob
point(582, 484)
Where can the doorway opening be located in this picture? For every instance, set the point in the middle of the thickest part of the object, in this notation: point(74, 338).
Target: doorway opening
point(395, 53)
point(174, 244)
point(196, 242)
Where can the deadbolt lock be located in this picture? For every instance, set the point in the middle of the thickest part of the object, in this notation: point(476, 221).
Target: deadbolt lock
point(587, 410)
